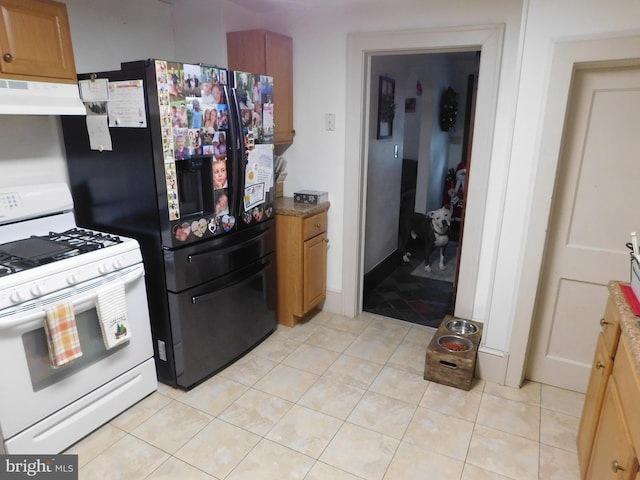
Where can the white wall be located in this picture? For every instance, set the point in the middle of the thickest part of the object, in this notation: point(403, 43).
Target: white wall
point(434, 143)
point(384, 172)
point(411, 139)
point(104, 33)
point(201, 28)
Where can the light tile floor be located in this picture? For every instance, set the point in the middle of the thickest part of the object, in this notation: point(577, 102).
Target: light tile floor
point(344, 399)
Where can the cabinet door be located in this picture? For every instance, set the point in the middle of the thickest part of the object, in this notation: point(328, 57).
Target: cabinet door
point(600, 372)
point(261, 51)
point(35, 40)
point(315, 271)
point(245, 51)
point(611, 327)
point(279, 65)
point(612, 457)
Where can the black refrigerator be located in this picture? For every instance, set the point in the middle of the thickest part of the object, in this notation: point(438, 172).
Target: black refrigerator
point(173, 155)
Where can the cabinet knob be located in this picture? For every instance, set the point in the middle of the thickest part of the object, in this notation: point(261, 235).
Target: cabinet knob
point(326, 240)
point(603, 322)
point(318, 226)
point(599, 364)
point(615, 466)
point(8, 57)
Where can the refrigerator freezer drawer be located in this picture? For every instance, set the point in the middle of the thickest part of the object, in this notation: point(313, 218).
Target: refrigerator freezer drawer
point(193, 265)
point(222, 320)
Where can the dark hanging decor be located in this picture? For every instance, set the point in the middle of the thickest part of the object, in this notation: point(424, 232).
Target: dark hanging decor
point(386, 107)
point(448, 109)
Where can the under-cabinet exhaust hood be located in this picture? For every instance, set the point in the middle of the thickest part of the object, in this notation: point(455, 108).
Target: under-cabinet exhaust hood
point(19, 97)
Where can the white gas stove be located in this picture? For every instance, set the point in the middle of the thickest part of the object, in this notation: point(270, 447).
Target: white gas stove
point(43, 251)
point(46, 261)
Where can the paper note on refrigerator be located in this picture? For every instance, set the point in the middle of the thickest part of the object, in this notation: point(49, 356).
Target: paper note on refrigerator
point(126, 104)
point(258, 176)
point(98, 130)
point(260, 165)
point(96, 90)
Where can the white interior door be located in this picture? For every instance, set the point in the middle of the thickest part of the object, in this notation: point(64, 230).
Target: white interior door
point(595, 207)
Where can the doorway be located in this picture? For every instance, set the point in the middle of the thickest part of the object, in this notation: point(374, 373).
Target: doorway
point(360, 48)
point(421, 168)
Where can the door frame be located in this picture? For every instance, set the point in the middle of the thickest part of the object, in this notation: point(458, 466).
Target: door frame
point(567, 56)
point(488, 39)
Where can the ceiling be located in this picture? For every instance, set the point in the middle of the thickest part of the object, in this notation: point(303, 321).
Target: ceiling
point(268, 6)
point(272, 6)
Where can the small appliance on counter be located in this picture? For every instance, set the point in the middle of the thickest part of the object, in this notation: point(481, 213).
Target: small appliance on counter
point(310, 197)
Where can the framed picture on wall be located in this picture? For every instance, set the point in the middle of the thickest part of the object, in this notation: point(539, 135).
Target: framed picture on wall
point(386, 107)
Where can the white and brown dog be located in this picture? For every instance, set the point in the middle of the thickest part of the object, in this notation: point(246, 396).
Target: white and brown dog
point(433, 228)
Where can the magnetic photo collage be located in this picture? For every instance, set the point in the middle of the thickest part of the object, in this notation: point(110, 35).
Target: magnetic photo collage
point(194, 115)
point(255, 95)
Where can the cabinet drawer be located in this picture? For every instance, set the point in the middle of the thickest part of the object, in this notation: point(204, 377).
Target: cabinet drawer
point(314, 225)
point(628, 381)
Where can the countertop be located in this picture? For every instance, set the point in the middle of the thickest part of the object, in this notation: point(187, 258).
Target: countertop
point(286, 206)
point(629, 323)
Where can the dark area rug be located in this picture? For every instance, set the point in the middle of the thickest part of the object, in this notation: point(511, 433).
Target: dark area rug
point(413, 298)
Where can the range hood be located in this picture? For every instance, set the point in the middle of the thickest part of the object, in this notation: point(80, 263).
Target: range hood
point(19, 97)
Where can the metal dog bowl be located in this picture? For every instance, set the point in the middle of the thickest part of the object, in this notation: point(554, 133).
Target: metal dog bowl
point(453, 343)
point(461, 327)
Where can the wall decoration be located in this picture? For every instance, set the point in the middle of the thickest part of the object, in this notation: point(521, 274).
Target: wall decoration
point(386, 107)
point(410, 105)
point(448, 109)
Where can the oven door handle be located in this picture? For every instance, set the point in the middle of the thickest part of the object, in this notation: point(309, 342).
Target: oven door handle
point(79, 303)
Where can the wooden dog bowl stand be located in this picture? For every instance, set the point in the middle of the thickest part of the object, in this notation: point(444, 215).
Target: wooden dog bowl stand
point(454, 369)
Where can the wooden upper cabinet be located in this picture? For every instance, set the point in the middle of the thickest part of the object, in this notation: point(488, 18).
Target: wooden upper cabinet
point(35, 41)
point(269, 53)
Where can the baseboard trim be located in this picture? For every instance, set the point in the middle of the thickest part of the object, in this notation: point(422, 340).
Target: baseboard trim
point(381, 271)
point(492, 365)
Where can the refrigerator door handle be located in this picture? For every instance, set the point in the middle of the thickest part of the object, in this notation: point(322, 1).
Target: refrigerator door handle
point(224, 251)
point(237, 180)
point(207, 296)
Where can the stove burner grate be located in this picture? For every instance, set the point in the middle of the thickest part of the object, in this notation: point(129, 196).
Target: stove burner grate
point(40, 250)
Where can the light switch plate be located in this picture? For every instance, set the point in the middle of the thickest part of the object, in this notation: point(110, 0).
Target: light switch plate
point(330, 122)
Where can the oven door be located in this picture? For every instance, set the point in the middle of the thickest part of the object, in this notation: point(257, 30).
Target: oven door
point(32, 388)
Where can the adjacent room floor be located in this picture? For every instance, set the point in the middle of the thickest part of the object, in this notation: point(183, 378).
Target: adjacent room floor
point(339, 399)
point(414, 298)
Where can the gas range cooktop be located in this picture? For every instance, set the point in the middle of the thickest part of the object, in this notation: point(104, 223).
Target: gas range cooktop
point(35, 251)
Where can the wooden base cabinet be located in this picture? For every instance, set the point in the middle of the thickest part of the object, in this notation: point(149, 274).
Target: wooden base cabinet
point(612, 456)
point(268, 53)
point(301, 251)
point(600, 372)
point(609, 434)
point(35, 41)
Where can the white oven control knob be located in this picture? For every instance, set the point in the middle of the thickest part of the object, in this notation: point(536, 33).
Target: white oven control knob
point(36, 290)
point(16, 296)
point(73, 278)
point(117, 264)
point(103, 269)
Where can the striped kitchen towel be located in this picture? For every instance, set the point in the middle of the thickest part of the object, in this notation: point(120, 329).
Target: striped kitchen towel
point(62, 335)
